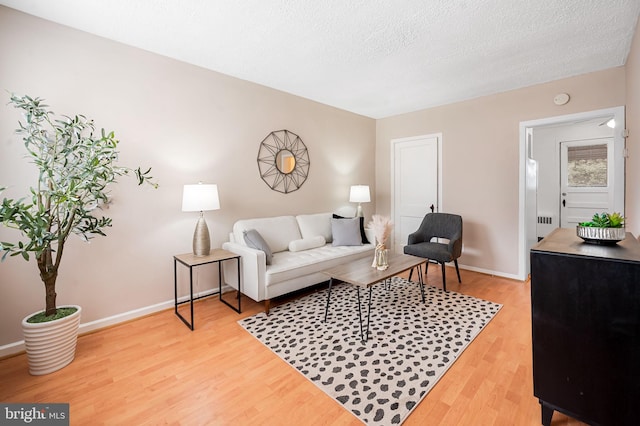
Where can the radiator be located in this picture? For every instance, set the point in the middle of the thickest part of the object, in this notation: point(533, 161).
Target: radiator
point(545, 220)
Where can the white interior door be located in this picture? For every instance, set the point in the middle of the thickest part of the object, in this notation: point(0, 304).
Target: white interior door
point(587, 180)
point(416, 184)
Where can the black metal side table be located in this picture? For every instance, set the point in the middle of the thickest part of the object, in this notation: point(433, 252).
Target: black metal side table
point(190, 261)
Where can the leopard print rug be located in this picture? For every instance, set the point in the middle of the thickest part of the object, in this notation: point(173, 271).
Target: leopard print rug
point(410, 346)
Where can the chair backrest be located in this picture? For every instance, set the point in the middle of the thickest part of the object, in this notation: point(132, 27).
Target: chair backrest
point(441, 225)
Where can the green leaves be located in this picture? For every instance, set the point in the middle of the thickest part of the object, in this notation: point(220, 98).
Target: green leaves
point(605, 220)
point(616, 220)
point(145, 177)
point(32, 223)
point(76, 165)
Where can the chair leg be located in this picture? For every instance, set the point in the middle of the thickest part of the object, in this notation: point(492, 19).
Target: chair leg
point(426, 267)
point(457, 270)
point(410, 274)
point(444, 278)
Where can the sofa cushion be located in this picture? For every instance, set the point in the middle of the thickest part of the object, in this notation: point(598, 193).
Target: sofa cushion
point(365, 240)
point(254, 240)
point(276, 231)
point(307, 243)
point(346, 232)
point(290, 265)
point(312, 225)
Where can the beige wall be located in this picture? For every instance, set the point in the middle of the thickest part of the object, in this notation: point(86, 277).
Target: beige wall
point(480, 144)
point(633, 141)
point(190, 125)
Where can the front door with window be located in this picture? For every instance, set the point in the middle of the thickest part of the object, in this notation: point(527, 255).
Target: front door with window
point(586, 180)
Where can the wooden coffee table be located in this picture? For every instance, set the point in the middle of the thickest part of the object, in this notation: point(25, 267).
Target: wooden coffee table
point(361, 274)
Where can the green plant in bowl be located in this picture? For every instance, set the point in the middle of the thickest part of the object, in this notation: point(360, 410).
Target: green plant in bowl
point(605, 220)
point(604, 228)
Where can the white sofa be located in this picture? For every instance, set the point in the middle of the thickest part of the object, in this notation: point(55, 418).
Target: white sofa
point(302, 247)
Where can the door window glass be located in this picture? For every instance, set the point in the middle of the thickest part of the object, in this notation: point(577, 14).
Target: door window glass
point(587, 166)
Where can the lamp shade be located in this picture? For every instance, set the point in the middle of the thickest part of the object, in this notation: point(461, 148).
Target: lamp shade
point(359, 194)
point(200, 197)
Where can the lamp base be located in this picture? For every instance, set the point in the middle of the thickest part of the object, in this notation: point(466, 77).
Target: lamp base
point(201, 239)
point(359, 212)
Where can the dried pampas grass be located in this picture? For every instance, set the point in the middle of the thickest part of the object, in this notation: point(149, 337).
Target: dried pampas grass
point(381, 226)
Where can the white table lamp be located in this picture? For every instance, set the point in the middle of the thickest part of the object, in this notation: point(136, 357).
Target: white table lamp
point(200, 198)
point(359, 194)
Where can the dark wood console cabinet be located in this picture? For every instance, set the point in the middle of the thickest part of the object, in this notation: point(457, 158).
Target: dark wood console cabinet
point(585, 306)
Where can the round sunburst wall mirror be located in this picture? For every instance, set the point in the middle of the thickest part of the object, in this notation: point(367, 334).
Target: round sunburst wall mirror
point(283, 161)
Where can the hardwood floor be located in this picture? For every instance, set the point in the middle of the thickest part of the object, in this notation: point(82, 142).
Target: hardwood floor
point(155, 370)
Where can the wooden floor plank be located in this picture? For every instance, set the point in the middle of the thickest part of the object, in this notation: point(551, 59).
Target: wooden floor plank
point(154, 370)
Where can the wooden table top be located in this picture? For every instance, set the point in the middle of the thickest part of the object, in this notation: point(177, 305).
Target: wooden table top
point(361, 273)
point(565, 241)
point(215, 255)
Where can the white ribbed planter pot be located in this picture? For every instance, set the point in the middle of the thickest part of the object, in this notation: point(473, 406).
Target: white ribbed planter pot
point(601, 235)
point(51, 345)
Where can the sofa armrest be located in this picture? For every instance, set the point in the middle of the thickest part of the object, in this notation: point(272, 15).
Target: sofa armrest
point(253, 265)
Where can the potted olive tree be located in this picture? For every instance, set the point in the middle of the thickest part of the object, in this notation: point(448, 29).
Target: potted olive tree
point(76, 164)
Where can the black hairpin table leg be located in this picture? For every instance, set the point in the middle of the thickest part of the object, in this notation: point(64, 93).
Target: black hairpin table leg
point(421, 283)
point(326, 308)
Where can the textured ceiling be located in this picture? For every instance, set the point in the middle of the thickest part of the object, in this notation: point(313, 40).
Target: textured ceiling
point(377, 58)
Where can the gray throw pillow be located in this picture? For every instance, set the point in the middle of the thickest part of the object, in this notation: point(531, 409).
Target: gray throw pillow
point(365, 240)
point(255, 240)
point(346, 232)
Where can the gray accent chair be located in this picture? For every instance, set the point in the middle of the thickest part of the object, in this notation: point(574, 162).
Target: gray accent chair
point(437, 225)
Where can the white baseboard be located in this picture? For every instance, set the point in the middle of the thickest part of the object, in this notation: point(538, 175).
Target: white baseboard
point(11, 349)
point(480, 270)
point(18, 347)
point(487, 272)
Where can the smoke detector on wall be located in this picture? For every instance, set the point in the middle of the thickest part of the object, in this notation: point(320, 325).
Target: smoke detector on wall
point(561, 99)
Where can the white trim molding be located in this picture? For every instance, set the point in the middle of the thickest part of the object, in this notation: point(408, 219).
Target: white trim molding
point(16, 348)
point(619, 146)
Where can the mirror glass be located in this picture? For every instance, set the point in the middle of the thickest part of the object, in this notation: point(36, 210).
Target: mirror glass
point(285, 161)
